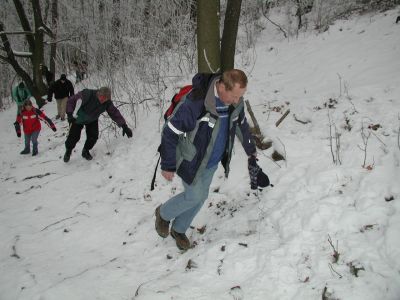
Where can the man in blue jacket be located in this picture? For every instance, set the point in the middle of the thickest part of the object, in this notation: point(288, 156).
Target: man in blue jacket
point(198, 135)
point(94, 103)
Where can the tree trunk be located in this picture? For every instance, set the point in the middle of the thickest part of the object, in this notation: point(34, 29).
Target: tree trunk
point(208, 48)
point(53, 46)
point(229, 35)
point(116, 38)
point(39, 88)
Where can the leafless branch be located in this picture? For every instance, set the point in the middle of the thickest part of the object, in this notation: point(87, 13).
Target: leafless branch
point(365, 137)
point(334, 271)
point(271, 159)
point(16, 32)
point(300, 121)
point(61, 40)
point(277, 25)
point(336, 253)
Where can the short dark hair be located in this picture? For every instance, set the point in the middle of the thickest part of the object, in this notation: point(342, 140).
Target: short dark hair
point(230, 77)
point(27, 102)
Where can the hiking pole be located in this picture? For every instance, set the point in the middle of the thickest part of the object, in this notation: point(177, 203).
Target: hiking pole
point(155, 174)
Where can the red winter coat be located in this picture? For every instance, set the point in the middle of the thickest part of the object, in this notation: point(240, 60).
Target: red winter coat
point(30, 120)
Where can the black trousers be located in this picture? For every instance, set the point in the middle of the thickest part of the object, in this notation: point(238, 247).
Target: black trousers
point(74, 135)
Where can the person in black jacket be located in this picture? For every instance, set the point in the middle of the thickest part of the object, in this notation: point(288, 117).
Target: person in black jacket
point(62, 89)
point(94, 103)
point(49, 76)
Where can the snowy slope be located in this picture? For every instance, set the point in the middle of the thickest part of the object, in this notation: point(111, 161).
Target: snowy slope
point(85, 230)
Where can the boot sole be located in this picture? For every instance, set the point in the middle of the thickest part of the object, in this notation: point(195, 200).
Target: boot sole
point(179, 247)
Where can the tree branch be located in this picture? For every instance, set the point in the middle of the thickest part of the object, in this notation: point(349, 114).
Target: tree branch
point(16, 32)
point(24, 22)
point(11, 57)
point(47, 30)
point(4, 58)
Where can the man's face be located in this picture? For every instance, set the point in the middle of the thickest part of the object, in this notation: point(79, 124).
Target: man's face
point(230, 97)
point(102, 98)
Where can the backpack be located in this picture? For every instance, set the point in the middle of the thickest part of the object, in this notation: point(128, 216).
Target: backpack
point(176, 99)
point(174, 103)
point(198, 93)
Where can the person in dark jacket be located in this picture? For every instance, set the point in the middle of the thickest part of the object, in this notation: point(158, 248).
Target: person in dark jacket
point(30, 117)
point(94, 103)
point(62, 89)
point(198, 135)
point(49, 76)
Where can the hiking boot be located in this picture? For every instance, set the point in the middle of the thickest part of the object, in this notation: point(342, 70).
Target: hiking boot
point(25, 151)
point(57, 117)
point(162, 226)
point(34, 152)
point(67, 155)
point(182, 242)
point(86, 154)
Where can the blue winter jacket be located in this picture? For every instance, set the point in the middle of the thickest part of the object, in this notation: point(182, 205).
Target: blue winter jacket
point(190, 132)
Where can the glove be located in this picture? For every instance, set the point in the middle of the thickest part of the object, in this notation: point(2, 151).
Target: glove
point(126, 130)
point(17, 128)
point(257, 177)
point(49, 99)
point(54, 129)
point(71, 119)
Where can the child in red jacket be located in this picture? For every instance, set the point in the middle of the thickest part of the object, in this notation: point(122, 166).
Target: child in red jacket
point(30, 118)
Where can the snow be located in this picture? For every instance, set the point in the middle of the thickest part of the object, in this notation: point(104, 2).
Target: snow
point(86, 229)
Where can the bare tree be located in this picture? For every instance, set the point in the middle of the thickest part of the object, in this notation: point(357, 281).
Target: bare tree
point(34, 37)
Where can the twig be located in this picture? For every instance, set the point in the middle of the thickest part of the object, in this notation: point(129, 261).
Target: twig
point(282, 118)
point(330, 138)
point(334, 271)
point(271, 159)
point(340, 84)
point(253, 118)
point(337, 140)
point(365, 138)
point(336, 253)
point(37, 176)
point(398, 134)
point(378, 138)
point(300, 121)
point(284, 150)
point(277, 25)
point(62, 220)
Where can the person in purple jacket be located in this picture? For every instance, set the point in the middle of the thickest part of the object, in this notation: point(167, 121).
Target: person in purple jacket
point(94, 103)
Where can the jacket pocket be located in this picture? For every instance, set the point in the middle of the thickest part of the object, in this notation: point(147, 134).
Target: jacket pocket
point(186, 149)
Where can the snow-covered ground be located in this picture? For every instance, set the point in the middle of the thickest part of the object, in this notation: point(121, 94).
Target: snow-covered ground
point(85, 230)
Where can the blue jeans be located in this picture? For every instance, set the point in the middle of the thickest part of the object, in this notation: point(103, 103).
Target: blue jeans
point(182, 208)
point(32, 137)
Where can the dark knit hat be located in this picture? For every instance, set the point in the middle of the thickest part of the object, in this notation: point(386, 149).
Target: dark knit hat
point(63, 77)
